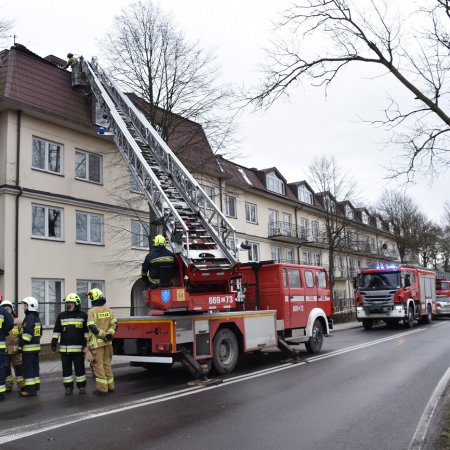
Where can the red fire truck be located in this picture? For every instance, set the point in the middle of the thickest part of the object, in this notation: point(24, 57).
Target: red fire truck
point(442, 294)
point(397, 293)
point(278, 305)
point(210, 307)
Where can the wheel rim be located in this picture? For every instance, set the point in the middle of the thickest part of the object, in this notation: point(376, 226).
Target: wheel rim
point(317, 335)
point(225, 351)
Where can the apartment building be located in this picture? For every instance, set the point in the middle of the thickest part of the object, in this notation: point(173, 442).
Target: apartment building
point(71, 217)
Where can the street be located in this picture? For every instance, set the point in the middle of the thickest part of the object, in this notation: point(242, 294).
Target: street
point(366, 390)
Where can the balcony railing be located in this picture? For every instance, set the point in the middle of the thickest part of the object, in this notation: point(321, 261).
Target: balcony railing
point(287, 231)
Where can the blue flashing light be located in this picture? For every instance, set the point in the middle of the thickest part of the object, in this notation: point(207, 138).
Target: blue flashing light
point(101, 130)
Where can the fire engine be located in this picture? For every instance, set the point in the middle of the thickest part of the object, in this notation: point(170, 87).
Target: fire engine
point(442, 294)
point(402, 293)
point(209, 308)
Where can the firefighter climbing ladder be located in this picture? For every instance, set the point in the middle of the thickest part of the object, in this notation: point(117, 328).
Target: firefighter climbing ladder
point(176, 198)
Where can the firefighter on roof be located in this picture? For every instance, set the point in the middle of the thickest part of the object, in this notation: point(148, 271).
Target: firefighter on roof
point(71, 60)
point(102, 325)
point(13, 358)
point(6, 325)
point(71, 328)
point(158, 256)
point(30, 342)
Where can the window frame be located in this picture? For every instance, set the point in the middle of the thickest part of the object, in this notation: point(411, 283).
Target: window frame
point(46, 235)
point(253, 251)
point(305, 195)
point(47, 144)
point(250, 210)
point(230, 200)
point(143, 236)
point(91, 284)
point(45, 303)
point(275, 184)
point(88, 240)
point(88, 154)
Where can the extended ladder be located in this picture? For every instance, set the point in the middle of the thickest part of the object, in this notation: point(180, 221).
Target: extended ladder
point(176, 198)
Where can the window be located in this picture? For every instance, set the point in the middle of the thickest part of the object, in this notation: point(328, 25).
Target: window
point(230, 206)
point(379, 223)
point(321, 280)
point(287, 223)
point(84, 286)
point(365, 218)
point(250, 213)
point(204, 203)
point(253, 253)
point(315, 230)
point(294, 278)
point(244, 175)
point(290, 255)
point(231, 245)
point(49, 294)
point(307, 258)
point(89, 228)
point(304, 228)
point(309, 279)
point(273, 222)
point(140, 232)
point(88, 166)
point(46, 222)
point(317, 259)
point(305, 195)
point(276, 253)
point(349, 212)
point(46, 156)
point(274, 184)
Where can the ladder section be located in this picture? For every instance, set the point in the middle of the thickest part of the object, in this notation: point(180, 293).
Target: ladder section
point(178, 201)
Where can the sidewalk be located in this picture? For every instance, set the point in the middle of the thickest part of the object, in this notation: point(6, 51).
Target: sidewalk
point(50, 369)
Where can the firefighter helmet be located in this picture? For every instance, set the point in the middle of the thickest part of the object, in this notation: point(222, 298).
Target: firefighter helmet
point(69, 55)
point(8, 303)
point(32, 304)
point(159, 240)
point(95, 295)
point(73, 298)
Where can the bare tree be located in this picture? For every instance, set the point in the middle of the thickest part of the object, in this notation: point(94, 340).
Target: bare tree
point(427, 236)
point(403, 214)
point(333, 186)
point(5, 27)
point(178, 80)
point(336, 34)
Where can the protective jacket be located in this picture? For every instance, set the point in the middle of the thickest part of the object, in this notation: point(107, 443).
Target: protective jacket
point(101, 321)
point(12, 340)
point(30, 339)
point(6, 325)
point(71, 328)
point(153, 261)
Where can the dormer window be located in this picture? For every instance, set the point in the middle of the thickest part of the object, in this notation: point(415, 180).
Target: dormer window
point(379, 224)
point(329, 204)
point(305, 195)
point(349, 212)
point(274, 184)
point(365, 218)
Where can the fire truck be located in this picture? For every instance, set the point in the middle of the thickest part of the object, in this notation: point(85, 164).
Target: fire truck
point(401, 293)
point(442, 294)
point(209, 308)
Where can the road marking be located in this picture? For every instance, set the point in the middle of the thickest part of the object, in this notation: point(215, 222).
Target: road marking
point(13, 434)
point(418, 439)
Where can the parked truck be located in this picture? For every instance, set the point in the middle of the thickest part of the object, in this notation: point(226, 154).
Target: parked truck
point(442, 294)
point(399, 293)
point(210, 307)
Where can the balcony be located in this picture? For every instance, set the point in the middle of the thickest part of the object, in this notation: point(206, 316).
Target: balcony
point(286, 232)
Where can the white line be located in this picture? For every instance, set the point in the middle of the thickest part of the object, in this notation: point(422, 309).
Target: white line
point(419, 436)
point(12, 434)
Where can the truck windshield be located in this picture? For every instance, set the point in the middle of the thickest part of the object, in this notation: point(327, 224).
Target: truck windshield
point(379, 280)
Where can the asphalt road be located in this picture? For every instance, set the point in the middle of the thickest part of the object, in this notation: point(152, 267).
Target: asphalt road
point(366, 390)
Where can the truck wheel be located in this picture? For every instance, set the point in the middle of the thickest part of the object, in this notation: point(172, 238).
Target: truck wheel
point(367, 324)
point(314, 345)
point(429, 317)
point(226, 351)
point(409, 320)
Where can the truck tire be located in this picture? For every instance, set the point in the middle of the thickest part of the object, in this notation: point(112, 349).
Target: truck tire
point(367, 324)
point(429, 316)
point(226, 351)
point(409, 319)
point(314, 345)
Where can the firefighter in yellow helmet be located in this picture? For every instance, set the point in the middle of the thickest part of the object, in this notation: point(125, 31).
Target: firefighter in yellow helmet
point(158, 256)
point(13, 357)
point(71, 329)
point(102, 325)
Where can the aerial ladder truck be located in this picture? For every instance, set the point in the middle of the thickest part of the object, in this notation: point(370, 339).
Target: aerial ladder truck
point(212, 307)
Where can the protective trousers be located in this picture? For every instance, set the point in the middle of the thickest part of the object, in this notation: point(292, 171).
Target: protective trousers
point(77, 360)
point(30, 365)
point(2, 372)
point(13, 361)
point(101, 366)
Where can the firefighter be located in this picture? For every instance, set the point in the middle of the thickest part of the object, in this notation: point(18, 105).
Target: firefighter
point(102, 325)
point(71, 328)
point(158, 256)
point(13, 358)
point(30, 342)
point(71, 60)
point(6, 325)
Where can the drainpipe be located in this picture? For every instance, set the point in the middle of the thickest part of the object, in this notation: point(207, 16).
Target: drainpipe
point(17, 184)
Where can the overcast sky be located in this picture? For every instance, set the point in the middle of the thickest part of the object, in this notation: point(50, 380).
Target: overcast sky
point(292, 132)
